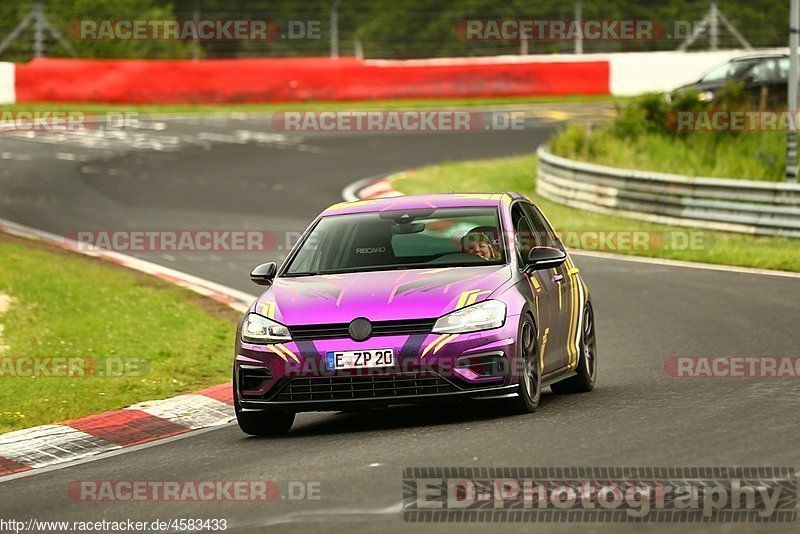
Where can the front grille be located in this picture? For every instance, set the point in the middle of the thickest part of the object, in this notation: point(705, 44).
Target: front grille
point(379, 328)
point(362, 388)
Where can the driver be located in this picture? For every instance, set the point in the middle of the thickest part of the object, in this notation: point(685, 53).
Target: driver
point(479, 244)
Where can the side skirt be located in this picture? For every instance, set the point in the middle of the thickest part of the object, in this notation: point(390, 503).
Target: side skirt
point(557, 376)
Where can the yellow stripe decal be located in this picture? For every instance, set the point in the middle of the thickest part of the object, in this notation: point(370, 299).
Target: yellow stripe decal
point(570, 325)
point(560, 305)
point(536, 283)
point(482, 196)
point(268, 310)
point(289, 353)
point(439, 270)
point(472, 298)
point(444, 342)
point(574, 316)
point(276, 349)
point(462, 299)
point(432, 343)
point(544, 345)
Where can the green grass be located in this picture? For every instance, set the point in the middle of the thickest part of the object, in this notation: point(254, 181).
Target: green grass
point(519, 174)
point(166, 109)
point(751, 156)
point(65, 305)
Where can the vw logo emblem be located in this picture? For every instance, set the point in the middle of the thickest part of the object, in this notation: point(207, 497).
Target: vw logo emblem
point(360, 329)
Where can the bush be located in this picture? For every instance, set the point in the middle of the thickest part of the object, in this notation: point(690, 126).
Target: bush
point(644, 134)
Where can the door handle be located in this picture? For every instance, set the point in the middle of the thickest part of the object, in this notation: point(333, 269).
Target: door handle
point(558, 278)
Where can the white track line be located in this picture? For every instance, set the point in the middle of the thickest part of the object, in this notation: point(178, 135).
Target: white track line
point(684, 264)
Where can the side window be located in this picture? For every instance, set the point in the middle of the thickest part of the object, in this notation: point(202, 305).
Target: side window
point(783, 69)
point(767, 71)
point(523, 233)
point(310, 257)
point(545, 235)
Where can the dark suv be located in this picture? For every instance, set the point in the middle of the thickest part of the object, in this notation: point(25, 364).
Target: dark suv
point(765, 74)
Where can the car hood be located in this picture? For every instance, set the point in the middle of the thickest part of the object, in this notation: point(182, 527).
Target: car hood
point(699, 87)
point(378, 295)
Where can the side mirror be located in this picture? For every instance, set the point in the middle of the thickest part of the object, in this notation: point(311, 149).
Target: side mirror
point(544, 258)
point(264, 274)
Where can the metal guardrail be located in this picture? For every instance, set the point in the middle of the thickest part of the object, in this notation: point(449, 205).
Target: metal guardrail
point(744, 206)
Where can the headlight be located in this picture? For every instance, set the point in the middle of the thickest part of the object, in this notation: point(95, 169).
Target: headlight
point(259, 329)
point(482, 316)
point(705, 96)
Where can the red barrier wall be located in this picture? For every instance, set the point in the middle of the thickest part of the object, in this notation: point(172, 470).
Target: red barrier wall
point(297, 79)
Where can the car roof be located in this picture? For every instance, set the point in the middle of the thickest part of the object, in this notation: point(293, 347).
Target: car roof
point(449, 200)
point(760, 56)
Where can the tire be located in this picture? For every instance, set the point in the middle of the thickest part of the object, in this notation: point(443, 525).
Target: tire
point(268, 422)
point(530, 371)
point(586, 375)
point(265, 423)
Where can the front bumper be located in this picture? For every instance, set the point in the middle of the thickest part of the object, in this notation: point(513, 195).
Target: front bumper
point(428, 368)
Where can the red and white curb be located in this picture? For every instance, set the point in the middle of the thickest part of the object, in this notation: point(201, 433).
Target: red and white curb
point(47, 445)
point(373, 187)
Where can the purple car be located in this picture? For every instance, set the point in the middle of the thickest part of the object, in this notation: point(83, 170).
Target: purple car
point(415, 299)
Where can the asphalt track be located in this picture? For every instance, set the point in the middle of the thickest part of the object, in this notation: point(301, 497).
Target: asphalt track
point(202, 174)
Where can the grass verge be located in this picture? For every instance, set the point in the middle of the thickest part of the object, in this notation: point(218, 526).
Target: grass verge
point(679, 137)
point(519, 174)
point(179, 109)
point(749, 156)
point(148, 338)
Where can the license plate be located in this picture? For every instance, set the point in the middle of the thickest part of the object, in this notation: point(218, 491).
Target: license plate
point(359, 359)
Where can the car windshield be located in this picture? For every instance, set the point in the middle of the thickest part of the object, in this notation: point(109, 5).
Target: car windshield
point(407, 239)
point(733, 70)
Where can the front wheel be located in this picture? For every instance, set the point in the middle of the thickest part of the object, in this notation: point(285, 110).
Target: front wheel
point(587, 364)
point(265, 423)
point(530, 370)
